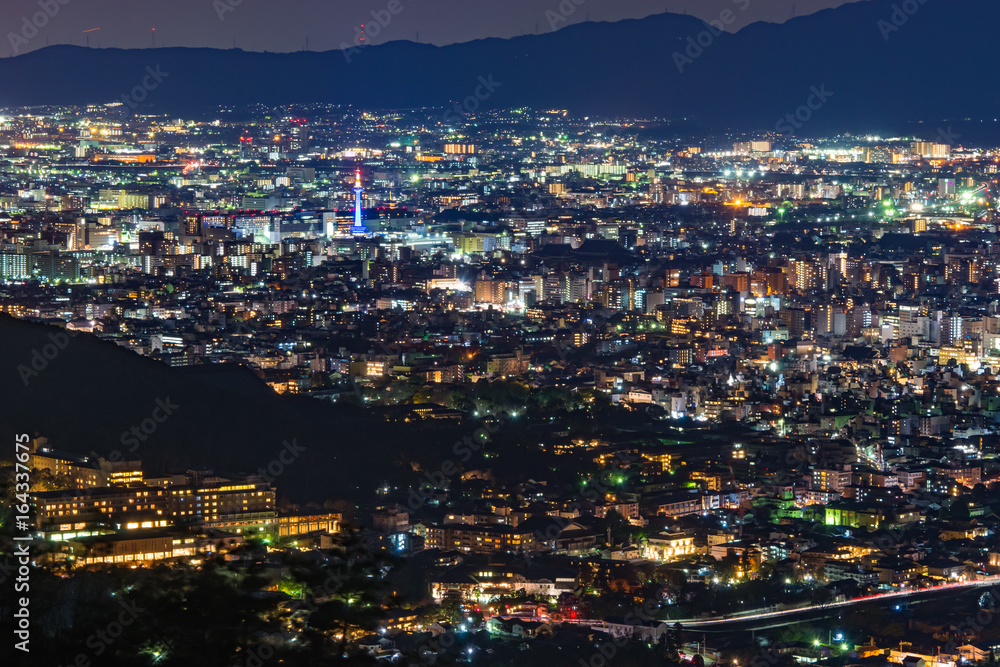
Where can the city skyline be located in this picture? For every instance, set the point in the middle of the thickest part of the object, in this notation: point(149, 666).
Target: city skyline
point(671, 340)
point(566, 367)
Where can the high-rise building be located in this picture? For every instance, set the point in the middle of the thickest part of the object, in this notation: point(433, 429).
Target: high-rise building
point(241, 507)
point(53, 266)
point(744, 147)
point(828, 320)
point(929, 149)
point(796, 320)
point(299, 135)
point(769, 280)
point(951, 330)
point(806, 275)
point(946, 187)
point(14, 266)
point(738, 281)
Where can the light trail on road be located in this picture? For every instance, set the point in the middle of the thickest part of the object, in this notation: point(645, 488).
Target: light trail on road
point(700, 622)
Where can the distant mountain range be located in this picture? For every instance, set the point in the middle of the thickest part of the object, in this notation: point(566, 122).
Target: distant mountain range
point(881, 66)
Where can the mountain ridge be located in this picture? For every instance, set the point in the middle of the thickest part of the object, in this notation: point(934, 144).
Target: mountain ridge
point(882, 80)
point(92, 395)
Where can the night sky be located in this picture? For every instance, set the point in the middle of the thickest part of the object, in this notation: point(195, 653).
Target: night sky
point(284, 25)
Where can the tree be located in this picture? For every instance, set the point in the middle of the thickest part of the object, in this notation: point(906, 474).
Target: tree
point(894, 631)
point(727, 567)
point(618, 526)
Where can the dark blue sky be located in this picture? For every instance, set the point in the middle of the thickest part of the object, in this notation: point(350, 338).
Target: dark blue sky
point(284, 25)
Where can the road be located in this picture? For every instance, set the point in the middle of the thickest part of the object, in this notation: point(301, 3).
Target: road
point(747, 622)
point(774, 619)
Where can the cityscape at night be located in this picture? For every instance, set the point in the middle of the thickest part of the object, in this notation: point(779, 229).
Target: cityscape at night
point(383, 380)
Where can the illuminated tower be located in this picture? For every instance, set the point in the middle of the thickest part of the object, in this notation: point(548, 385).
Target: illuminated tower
point(358, 226)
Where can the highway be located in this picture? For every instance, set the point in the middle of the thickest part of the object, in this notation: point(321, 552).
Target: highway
point(774, 619)
point(765, 620)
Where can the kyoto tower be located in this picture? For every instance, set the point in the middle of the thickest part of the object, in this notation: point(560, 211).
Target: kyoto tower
point(358, 228)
